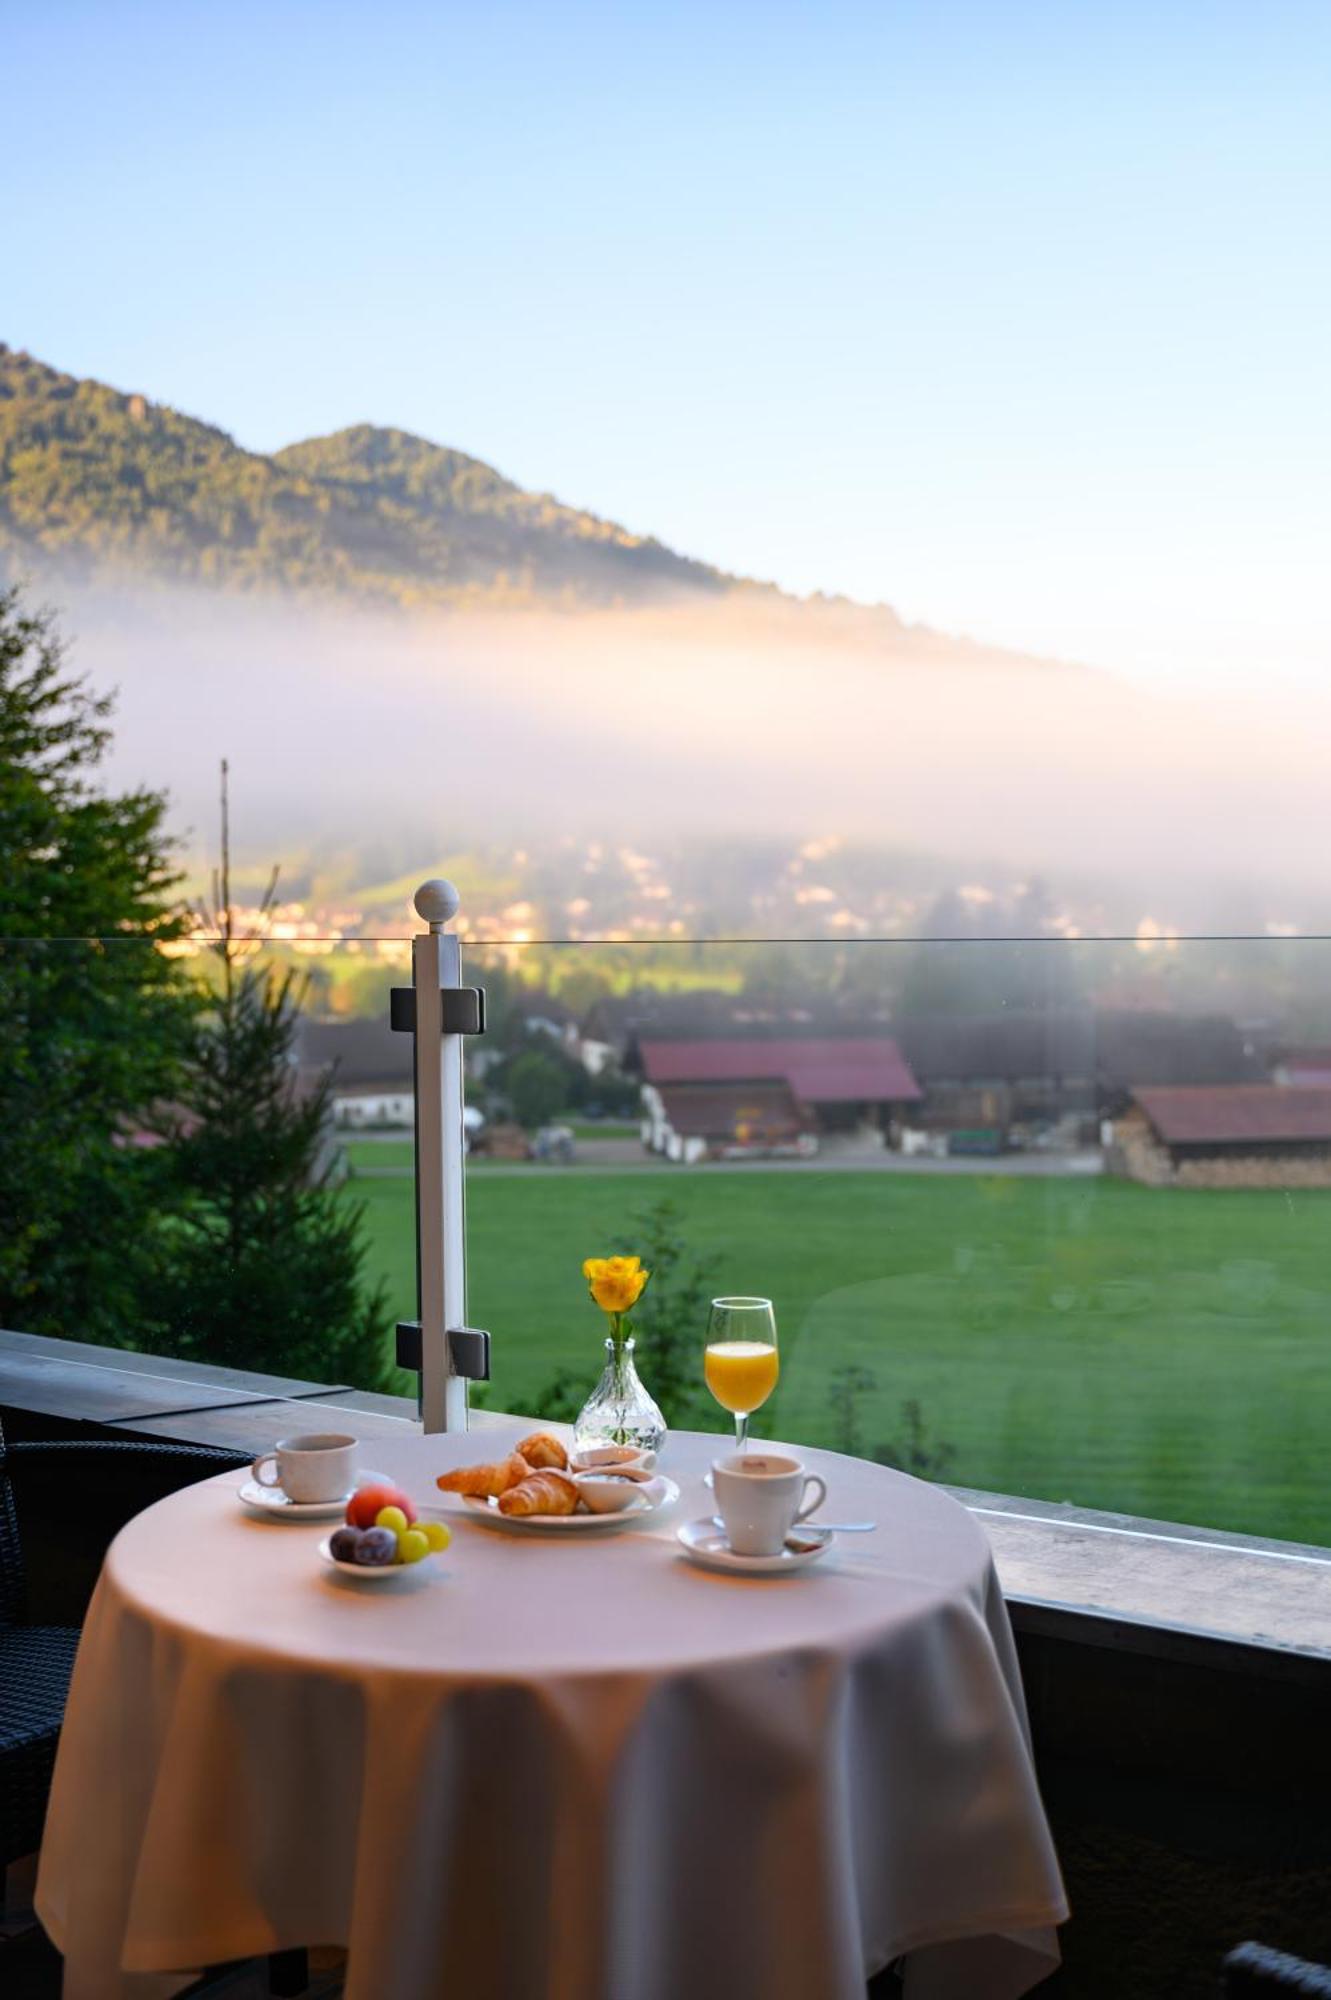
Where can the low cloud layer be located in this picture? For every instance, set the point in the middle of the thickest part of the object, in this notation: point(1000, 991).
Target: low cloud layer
point(346, 730)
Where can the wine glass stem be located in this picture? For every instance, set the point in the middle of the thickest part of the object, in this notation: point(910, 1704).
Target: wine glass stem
point(741, 1430)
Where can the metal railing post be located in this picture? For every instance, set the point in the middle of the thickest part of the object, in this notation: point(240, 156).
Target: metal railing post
point(440, 1012)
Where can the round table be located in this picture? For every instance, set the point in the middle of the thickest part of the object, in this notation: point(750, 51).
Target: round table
point(562, 1769)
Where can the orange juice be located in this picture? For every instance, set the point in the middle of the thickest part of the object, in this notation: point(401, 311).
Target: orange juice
point(741, 1374)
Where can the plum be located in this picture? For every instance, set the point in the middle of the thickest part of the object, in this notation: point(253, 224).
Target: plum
point(376, 1548)
point(343, 1543)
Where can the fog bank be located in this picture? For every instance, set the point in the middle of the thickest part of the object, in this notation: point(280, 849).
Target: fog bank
point(344, 729)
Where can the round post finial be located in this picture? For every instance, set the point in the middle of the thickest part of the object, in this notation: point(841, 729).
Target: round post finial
point(437, 902)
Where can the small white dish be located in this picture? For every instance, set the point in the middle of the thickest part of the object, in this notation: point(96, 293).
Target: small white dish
point(705, 1544)
point(371, 1572)
point(623, 1458)
point(615, 1492)
point(277, 1506)
point(642, 1505)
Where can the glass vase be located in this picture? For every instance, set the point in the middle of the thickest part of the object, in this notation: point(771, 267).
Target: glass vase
point(619, 1410)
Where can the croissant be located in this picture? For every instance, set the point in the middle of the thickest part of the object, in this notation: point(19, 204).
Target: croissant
point(485, 1482)
point(547, 1492)
point(541, 1450)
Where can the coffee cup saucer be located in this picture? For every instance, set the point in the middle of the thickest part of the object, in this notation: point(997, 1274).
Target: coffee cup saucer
point(275, 1505)
point(705, 1544)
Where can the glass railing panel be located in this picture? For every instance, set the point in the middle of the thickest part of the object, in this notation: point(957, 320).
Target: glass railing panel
point(1016, 1279)
point(178, 1171)
point(1030, 1276)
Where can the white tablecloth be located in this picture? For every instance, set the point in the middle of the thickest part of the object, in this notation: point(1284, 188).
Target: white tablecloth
point(562, 1770)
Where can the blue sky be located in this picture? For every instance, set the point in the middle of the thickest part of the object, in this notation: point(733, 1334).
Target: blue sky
point(1017, 316)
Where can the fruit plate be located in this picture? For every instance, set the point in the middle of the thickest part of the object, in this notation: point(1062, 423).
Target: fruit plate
point(273, 1503)
point(376, 1573)
point(639, 1510)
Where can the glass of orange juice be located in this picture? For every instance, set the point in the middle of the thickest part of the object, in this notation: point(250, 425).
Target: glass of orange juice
point(741, 1365)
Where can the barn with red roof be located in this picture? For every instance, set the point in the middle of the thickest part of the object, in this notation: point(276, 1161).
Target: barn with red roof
point(736, 1096)
point(1237, 1135)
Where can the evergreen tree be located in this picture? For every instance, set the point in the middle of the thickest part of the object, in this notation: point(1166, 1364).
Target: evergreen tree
point(94, 1016)
point(266, 1255)
point(537, 1087)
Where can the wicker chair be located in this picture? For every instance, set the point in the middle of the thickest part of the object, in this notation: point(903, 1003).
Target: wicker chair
point(1254, 1971)
point(65, 1485)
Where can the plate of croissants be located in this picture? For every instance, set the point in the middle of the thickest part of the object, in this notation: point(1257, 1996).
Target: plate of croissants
point(535, 1488)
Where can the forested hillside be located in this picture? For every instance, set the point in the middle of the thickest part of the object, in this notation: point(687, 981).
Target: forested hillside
point(96, 483)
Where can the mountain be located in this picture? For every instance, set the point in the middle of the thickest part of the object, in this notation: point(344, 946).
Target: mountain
point(99, 487)
point(95, 483)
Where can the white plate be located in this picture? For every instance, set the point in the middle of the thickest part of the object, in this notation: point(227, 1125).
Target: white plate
point(705, 1544)
point(639, 1510)
point(273, 1502)
point(371, 1572)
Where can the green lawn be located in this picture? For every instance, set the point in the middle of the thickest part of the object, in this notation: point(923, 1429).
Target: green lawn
point(1162, 1352)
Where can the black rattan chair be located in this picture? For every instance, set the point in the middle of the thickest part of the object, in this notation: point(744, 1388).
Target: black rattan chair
point(1255, 1972)
point(70, 1487)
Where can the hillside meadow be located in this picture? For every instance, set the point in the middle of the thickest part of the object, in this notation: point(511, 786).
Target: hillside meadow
point(1162, 1352)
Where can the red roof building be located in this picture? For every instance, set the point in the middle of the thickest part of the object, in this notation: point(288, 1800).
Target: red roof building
point(863, 1069)
point(725, 1097)
point(1238, 1135)
point(1307, 1066)
point(730, 1120)
point(1241, 1114)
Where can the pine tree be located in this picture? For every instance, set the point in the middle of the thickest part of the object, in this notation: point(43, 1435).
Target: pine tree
point(94, 1015)
point(266, 1254)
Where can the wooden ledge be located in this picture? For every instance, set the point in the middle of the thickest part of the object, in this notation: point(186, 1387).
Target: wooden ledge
point(1156, 1586)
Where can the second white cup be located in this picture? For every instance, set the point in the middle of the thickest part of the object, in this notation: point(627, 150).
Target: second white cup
point(320, 1465)
point(760, 1495)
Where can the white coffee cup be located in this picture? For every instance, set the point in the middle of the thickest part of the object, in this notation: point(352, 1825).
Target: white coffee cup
point(320, 1465)
point(760, 1495)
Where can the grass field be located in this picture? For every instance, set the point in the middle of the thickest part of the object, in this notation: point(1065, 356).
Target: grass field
point(1167, 1352)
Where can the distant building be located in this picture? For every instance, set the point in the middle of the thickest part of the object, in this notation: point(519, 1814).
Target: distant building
point(1019, 1074)
point(360, 1053)
point(596, 1056)
point(622, 1022)
point(1001, 1074)
point(689, 1122)
point(1263, 1135)
point(1136, 1047)
point(370, 1068)
point(369, 1106)
point(550, 1017)
point(1307, 1066)
point(737, 1095)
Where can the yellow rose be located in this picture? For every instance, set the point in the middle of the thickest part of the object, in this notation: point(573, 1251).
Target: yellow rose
point(616, 1283)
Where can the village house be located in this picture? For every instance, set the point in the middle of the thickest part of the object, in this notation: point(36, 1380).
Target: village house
point(370, 1068)
point(619, 1023)
point(1140, 1047)
point(998, 1078)
point(1260, 1135)
point(1303, 1065)
point(369, 1107)
point(746, 1095)
point(1018, 1078)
